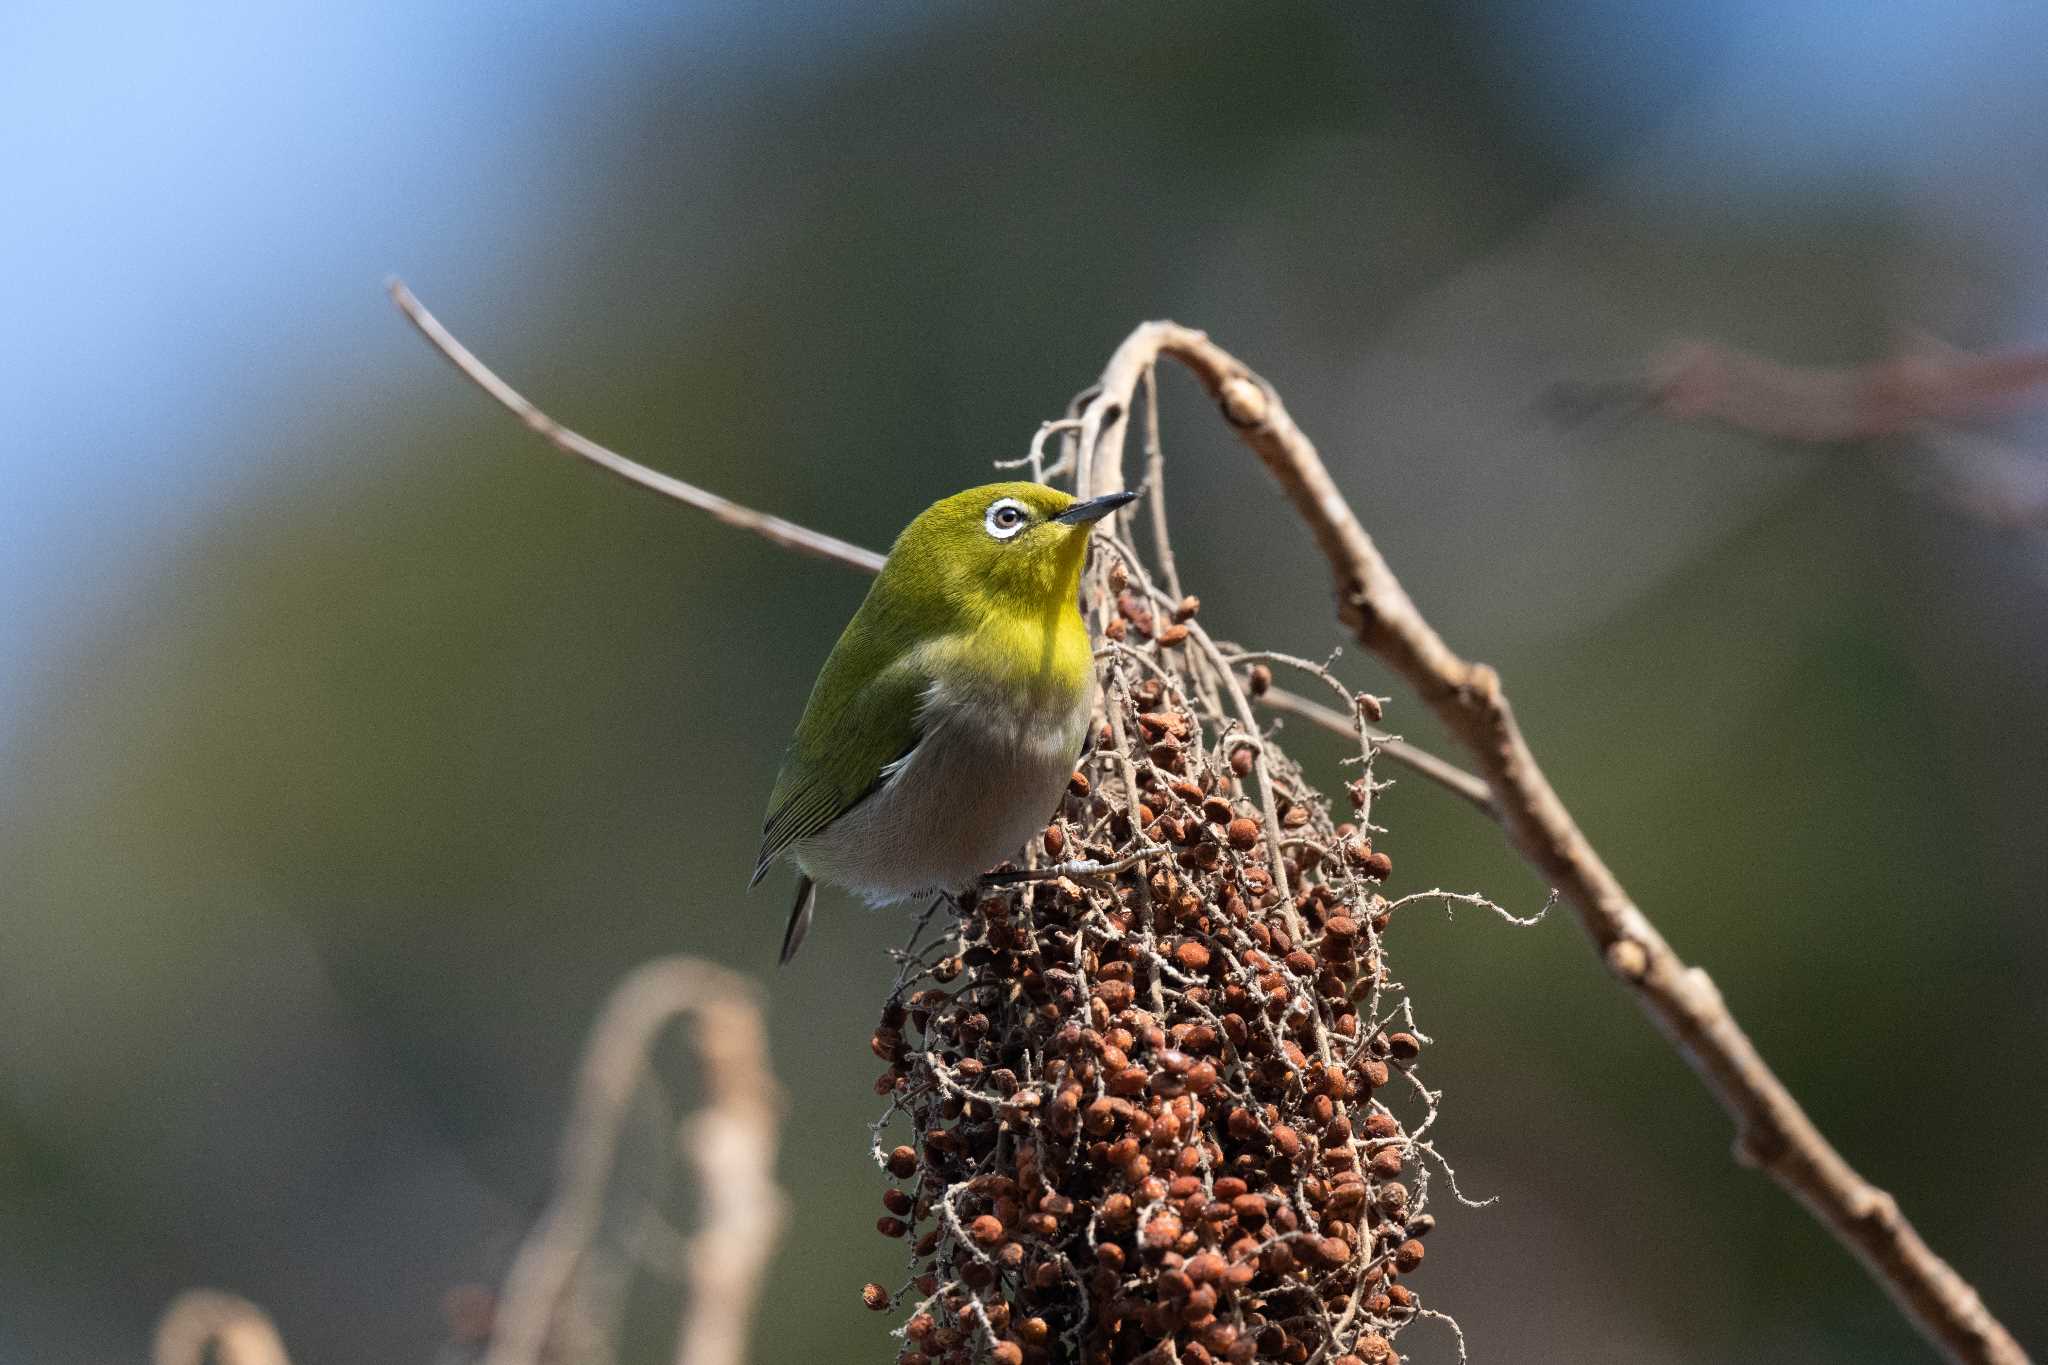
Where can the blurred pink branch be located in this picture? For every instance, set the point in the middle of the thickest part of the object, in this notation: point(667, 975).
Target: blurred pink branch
point(1924, 392)
point(1699, 381)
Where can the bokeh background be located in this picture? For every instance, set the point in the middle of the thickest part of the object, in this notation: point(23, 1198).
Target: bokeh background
point(352, 744)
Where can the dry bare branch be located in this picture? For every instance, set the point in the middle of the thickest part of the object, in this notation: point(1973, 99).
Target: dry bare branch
point(233, 1330)
point(1773, 1131)
point(731, 1139)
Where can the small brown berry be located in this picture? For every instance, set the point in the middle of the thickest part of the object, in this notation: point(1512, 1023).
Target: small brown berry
point(1408, 1256)
point(1379, 866)
point(1189, 605)
point(875, 1297)
point(1386, 1163)
point(1191, 956)
point(1405, 1047)
point(1261, 680)
point(987, 1230)
point(1055, 841)
point(1173, 635)
point(1243, 834)
point(890, 1227)
point(1006, 1353)
point(1078, 784)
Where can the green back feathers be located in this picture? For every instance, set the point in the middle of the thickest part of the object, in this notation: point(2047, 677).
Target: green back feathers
point(982, 586)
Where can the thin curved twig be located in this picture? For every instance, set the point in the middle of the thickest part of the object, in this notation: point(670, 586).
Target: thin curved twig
point(1447, 775)
point(787, 534)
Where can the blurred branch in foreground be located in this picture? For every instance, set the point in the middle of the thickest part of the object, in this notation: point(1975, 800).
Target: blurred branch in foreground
point(1773, 1131)
point(549, 1310)
point(1924, 392)
point(732, 1140)
point(205, 1324)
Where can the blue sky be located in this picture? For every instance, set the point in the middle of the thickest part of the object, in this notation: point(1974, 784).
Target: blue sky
point(201, 204)
point(202, 200)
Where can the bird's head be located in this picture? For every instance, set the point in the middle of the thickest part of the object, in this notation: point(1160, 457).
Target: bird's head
point(1005, 550)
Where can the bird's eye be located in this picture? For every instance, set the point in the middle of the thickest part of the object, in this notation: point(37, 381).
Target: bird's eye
point(1005, 519)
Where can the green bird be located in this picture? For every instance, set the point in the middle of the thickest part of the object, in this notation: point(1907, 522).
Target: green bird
point(951, 712)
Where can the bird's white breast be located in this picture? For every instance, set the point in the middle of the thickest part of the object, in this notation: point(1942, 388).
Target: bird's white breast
point(985, 777)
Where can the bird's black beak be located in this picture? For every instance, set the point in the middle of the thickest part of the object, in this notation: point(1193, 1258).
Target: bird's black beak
point(1094, 509)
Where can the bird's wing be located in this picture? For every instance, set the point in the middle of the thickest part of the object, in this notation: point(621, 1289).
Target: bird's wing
point(842, 754)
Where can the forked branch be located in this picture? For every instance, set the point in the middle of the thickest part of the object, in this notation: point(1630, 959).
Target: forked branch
point(1772, 1130)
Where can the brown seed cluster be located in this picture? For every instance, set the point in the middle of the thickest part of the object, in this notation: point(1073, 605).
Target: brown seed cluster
point(1152, 1116)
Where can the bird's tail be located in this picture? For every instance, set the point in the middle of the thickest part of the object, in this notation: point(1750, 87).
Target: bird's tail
point(799, 917)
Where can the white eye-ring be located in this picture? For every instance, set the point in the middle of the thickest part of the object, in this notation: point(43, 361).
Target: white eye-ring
point(1006, 517)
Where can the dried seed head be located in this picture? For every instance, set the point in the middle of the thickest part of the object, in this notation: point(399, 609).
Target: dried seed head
point(1136, 1094)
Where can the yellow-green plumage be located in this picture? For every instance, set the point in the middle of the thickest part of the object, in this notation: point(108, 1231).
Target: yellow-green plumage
point(949, 714)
